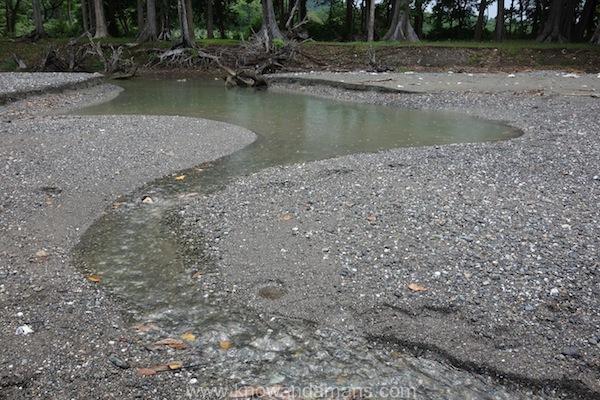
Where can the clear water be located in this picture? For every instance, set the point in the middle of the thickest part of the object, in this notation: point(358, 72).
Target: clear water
point(139, 254)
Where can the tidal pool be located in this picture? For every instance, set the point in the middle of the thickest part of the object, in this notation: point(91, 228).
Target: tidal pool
point(138, 252)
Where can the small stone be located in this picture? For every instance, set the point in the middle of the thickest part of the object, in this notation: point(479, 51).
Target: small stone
point(147, 200)
point(571, 351)
point(118, 362)
point(554, 292)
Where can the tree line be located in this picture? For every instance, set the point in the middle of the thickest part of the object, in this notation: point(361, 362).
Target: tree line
point(349, 20)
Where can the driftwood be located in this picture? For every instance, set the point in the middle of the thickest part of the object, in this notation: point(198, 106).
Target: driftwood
point(190, 57)
point(77, 54)
point(20, 63)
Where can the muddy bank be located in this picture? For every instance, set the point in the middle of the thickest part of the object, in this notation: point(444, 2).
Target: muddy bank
point(58, 175)
point(481, 254)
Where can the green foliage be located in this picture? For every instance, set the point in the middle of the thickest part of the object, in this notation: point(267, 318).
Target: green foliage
point(8, 65)
point(248, 17)
point(278, 43)
point(442, 20)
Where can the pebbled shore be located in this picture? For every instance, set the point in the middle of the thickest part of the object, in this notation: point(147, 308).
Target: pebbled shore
point(19, 85)
point(502, 238)
point(58, 174)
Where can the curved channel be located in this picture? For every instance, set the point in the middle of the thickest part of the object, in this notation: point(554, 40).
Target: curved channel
point(136, 248)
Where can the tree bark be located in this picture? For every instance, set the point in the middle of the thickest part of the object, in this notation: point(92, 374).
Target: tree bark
point(110, 14)
point(187, 34)
point(480, 20)
point(140, 15)
point(190, 17)
point(302, 10)
point(150, 31)
point(419, 18)
point(551, 32)
point(371, 21)
point(349, 19)
point(11, 10)
point(596, 36)
point(69, 16)
point(499, 33)
point(38, 19)
point(279, 9)
point(567, 19)
point(269, 29)
point(585, 25)
point(209, 19)
point(101, 31)
point(85, 21)
point(165, 21)
point(400, 28)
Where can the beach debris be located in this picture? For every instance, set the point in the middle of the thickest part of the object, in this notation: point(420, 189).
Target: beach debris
point(180, 178)
point(188, 336)
point(150, 371)
point(145, 327)
point(94, 278)
point(225, 344)
point(415, 287)
point(147, 200)
point(286, 216)
point(175, 344)
point(23, 330)
point(41, 255)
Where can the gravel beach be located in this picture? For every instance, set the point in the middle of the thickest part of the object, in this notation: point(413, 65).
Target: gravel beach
point(484, 255)
point(58, 174)
point(14, 86)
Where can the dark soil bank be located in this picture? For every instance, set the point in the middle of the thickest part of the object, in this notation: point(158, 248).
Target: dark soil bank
point(483, 254)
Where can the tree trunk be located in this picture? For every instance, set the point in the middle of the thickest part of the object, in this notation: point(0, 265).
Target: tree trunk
point(279, 9)
point(371, 21)
point(551, 32)
point(187, 34)
point(480, 20)
point(85, 20)
point(349, 19)
point(150, 31)
point(596, 37)
point(567, 19)
point(190, 17)
point(499, 33)
point(110, 14)
point(400, 28)
point(11, 11)
point(140, 15)
point(269, 29)
point(510, 18)
point(38, 20)
point(302, 10)
point(101, 31)
point(585, 25)
point(69, 17)
point(165, 21)
point(419, 18)
point(209, 19)
point(219, 17)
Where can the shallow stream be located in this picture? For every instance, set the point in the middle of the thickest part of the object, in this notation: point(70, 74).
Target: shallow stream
point(135, 247)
